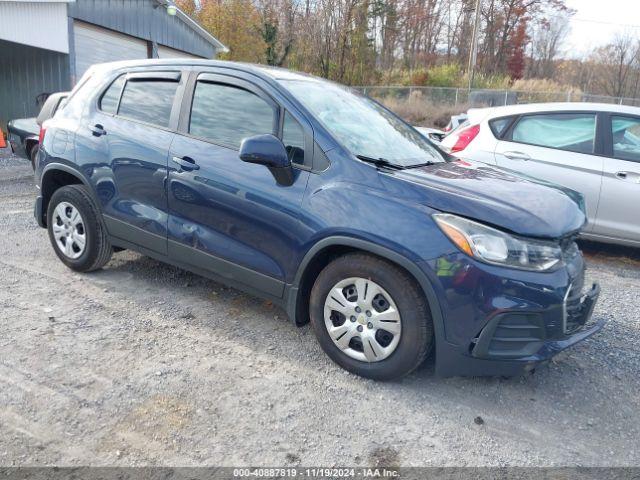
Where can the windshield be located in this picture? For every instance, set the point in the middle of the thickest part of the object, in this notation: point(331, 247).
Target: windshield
point(363, 126)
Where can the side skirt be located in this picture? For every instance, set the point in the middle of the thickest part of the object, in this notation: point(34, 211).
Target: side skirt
point(230, 276)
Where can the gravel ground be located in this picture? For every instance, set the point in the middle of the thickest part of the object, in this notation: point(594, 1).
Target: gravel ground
point(142, 363)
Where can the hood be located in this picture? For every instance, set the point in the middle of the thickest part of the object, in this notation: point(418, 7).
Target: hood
point(504, 199)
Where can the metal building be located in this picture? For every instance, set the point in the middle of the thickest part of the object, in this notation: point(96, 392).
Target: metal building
point(46, 45)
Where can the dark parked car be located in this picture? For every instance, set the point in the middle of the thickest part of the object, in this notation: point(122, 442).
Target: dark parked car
point(322, 201)
point(23, 136)
point(24, 132)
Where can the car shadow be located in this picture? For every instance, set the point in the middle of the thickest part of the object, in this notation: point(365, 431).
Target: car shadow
point(263, 328)
point(604, 252)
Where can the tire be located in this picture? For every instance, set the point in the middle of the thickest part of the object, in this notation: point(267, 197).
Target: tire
point(33, 153)
point(97, 250)
point(386, 358)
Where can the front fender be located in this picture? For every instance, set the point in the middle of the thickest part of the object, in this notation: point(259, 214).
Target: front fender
point(293, 294)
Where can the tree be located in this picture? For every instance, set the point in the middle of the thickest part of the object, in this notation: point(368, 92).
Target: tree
point(503, 23)
point(616, 64)
point(188, 6)
point(546, 40)
point(236, 23)
point(277, 29)
point(414, 41)
point(516, 61)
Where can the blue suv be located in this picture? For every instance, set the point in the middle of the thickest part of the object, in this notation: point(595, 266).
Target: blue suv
point(297, 190)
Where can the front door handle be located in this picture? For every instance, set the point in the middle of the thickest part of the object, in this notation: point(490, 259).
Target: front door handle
point(621, 175)
point(186, 163)
point(97, 130)
point(516, 156)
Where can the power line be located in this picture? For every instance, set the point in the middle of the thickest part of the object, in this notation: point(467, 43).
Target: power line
point(601, 22)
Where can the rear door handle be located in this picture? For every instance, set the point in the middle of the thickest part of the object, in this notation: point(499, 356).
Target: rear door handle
point(186, 163)
point(97, 130)
point(631, 176)
point(516, 156)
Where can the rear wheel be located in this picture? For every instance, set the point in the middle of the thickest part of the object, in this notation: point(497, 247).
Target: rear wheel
point(371, 317)
point(75, 230)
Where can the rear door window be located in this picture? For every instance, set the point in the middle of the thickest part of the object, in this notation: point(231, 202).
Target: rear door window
point(575, 132)
point(225, 114)
point(148, 100)
point(626, 137)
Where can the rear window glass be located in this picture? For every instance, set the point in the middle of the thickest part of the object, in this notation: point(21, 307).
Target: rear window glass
point(574, 132)
point(110, 98)
point(148, 101)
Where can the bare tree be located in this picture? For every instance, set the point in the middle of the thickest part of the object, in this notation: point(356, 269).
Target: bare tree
point(616, 63)
point(547, 38)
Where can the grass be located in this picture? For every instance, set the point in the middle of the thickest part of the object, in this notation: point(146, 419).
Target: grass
point(420, 111)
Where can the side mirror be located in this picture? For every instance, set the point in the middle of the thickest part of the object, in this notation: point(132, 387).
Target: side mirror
point(269, 151)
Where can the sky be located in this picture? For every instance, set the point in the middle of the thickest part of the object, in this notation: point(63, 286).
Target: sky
point(597, 21)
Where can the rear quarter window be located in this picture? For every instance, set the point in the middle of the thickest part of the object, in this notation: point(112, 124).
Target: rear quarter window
point(499, 125)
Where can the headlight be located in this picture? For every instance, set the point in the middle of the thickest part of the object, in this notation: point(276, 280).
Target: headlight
point(493, 246)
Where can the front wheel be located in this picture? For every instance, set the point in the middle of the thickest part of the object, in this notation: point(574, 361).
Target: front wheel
point(371, 317)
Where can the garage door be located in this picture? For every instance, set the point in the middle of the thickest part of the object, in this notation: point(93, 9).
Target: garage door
point(166, 52)
point(98, 45)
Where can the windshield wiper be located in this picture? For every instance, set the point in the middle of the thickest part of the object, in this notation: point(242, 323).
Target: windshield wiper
point(380, 162)
point(425, 164)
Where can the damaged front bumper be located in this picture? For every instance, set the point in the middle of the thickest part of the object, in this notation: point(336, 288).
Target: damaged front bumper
point(505, 323)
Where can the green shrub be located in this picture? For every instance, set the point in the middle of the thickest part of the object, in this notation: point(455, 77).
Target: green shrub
point(446, 75)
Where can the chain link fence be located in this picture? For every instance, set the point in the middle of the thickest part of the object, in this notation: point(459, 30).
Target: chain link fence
point(486, 98)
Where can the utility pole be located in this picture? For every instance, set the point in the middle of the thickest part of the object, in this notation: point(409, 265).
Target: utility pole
point(473, 54)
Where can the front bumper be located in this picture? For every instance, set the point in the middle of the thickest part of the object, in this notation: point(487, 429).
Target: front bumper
point(499, 321)
point(453, 364)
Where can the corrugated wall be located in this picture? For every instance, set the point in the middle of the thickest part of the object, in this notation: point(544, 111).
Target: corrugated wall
point(39, 24)
point(26, 72)
point(140, 19)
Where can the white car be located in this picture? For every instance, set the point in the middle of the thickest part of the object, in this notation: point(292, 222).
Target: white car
point(433, 134)
point(590, 148)
point(455, 122)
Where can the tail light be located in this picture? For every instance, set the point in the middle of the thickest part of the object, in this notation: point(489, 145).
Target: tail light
point(43, 130)
point(465, 137)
